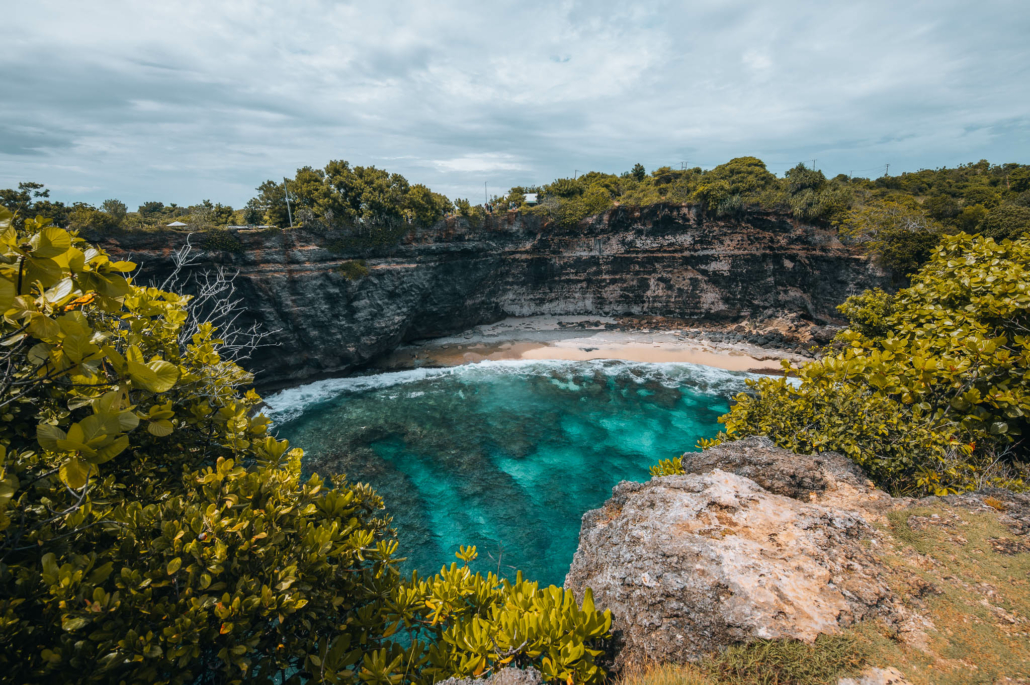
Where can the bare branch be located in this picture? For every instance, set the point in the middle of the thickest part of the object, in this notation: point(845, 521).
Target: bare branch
point(214, 300)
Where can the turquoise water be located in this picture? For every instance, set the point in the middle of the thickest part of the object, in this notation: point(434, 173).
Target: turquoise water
point(507, 456)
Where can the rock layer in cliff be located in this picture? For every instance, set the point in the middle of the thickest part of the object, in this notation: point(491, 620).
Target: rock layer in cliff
point(662, 260)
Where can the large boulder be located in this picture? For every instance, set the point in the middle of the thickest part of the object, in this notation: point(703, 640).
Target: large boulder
point(753, 542)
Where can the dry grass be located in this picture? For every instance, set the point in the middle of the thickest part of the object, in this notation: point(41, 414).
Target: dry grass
point(964, 571)
point(766, 662)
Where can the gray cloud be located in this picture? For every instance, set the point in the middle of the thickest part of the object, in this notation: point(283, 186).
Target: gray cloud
point(192, 100)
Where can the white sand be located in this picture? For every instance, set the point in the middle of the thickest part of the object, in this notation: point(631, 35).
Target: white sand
point(545, 337)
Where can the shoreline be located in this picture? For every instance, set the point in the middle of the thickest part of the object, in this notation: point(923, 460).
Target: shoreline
point(583, 338)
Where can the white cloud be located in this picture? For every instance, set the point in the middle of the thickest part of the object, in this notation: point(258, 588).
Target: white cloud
point(196, 99)
point(485, 162)
point(757, 60)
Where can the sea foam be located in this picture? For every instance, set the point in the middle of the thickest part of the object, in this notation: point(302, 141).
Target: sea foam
point(287, 405)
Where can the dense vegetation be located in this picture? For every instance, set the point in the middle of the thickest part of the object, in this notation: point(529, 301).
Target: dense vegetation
point(361, 200)
point(928, 389)
point(152, 531)
point(898, 219)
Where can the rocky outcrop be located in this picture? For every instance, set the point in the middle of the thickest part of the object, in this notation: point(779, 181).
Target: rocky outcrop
point(689, 564)
point(663, 260)
point(754, 542)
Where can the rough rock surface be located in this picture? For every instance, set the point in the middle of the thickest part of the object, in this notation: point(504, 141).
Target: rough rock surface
point(876, 676)
point(507, 676)
point(663, 260)
point(692, 563)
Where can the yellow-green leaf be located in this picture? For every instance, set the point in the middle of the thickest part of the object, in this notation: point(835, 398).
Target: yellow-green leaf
point(47, 436)
point(7, 294)
point(71, 624)
point(109, 452)
point(50, 242)
point(46, 271)
point(75, 473)
point(44, 328)
point(160, 428)
point(165, 372)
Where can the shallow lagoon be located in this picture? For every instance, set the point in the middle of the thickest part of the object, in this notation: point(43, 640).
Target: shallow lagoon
point(507, 456)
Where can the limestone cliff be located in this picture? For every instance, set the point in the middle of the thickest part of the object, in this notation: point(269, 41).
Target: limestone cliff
point(665, 260)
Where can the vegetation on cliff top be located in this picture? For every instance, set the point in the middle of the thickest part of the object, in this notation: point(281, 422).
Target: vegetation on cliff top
point(898, 219)
point(152, 531)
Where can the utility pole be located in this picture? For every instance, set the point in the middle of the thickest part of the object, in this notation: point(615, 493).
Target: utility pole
point(888, 172)
point(575, 174)
point(289, 213)
point(485, 196)
point(813, 164)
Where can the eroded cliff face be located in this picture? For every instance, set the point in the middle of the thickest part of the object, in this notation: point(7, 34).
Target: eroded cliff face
point(664, 260)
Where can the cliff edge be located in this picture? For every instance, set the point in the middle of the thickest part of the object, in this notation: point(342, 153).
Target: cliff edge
point(661, 260)
point(755, 543)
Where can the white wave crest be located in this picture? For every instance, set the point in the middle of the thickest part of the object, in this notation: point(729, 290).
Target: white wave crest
point(291, 403)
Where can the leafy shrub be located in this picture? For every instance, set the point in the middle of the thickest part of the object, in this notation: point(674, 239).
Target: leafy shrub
point(1006, 221)
point(223, 241)
point(985, 196)
point(476, 625)
point(942, 207)
point(899, 235)
point(711, 194)
point(970, 218)
point(85, 218)
point(668, 467)
point(152, 531)
point(340, 195)
point(116, 208)
point(801, 178)
point(353, 270)
point(745, 176)
point(928, 390)
point(474, 214)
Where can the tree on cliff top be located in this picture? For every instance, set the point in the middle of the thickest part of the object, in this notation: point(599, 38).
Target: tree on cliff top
point(152, 531)
point(900, 235)
point(344, 196)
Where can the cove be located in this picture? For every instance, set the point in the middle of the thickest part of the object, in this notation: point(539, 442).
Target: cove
point(507, 456)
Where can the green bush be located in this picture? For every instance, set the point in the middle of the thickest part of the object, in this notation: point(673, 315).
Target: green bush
point(928, 390)
point(86, 218)
point(353, 270)
point(151, 531)
point(1006, 221)
point(668, 467)
point(222, 241)
point(898, 234)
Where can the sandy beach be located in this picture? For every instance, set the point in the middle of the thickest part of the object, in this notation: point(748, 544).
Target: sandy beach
point(582, 338)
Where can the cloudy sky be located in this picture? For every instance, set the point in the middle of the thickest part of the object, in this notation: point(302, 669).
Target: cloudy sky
point(179, 101)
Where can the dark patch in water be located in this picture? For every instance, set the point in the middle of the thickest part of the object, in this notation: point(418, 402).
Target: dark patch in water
point(506, 457)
